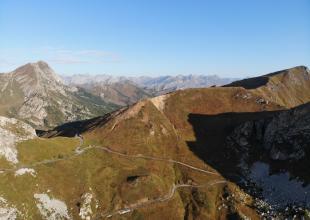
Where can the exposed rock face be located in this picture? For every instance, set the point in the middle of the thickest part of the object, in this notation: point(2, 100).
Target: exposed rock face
point(285, 136)
point(37, 95)
point(34, 77)
point(273, 157)
point(159, 102)
point(51, 208)
point(7, 211)
point(11, 132)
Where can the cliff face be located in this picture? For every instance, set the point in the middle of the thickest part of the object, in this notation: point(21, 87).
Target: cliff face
point(287, 136)
point(273, 157)
point(13, 131)
point(284, 136)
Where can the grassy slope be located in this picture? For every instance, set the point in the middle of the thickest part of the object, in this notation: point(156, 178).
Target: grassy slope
point(67, 180)
point(288, 88)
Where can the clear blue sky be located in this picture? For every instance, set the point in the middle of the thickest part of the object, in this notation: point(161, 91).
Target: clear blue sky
point(232, 38)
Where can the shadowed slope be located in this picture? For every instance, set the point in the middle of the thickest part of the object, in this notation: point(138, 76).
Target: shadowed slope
point(72, 129)
point(211, 133)
point(235, 143)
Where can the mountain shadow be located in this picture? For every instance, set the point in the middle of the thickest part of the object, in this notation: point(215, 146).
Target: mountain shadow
point(251, 83)
point(74, 128)
point(212, 131)
point(256, 82)
point(236, 145)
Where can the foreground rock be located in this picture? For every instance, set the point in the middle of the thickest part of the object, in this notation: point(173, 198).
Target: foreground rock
point(11, 132)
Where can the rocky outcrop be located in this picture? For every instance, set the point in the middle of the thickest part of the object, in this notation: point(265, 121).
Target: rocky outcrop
point(11, 132)
point(285, 136)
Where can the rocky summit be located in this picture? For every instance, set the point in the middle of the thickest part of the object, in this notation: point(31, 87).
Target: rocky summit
point(35, 94)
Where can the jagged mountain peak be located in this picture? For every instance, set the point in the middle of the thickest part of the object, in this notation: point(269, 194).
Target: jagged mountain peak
point(37, 95)
point(37, 77)
point(37, 72)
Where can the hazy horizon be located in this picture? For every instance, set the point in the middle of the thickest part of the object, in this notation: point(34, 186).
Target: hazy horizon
point(156, 38)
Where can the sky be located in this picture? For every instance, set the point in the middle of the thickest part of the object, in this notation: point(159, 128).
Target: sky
point(236, 38)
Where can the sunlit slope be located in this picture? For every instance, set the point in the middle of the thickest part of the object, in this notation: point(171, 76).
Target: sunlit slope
point(52, 179)
point(35, 94)
point(288, 88)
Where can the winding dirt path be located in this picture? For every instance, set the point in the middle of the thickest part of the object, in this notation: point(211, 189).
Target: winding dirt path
point(79, 151)
point(165, 198)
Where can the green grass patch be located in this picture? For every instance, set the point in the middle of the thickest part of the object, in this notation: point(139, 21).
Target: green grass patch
point(43, 149)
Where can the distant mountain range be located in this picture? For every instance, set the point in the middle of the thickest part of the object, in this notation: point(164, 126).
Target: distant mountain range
point(124, 90)
point(159, 83)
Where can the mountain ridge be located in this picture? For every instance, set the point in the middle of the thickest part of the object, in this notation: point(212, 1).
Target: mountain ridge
point(124, 90)
point(289, 87)
point(241, 94)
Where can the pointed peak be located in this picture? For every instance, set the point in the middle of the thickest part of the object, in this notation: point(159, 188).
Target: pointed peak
point(33, 66)
point(37, 70)
point(39, 64)
point(42, 64)
point(292, 70)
